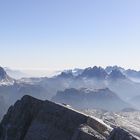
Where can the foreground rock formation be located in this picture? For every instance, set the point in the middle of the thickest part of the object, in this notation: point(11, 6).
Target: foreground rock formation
point(33, 119)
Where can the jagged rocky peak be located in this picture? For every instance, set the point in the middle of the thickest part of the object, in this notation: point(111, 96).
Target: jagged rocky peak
point(33, 119)
point(109, 69)
point(3, 74)
point(66, 75)
point(116, 74)
point(4, 78)
point(75, 72)
point(95, 72)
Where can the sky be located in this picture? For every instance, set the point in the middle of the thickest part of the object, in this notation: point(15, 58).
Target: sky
point(63, 34)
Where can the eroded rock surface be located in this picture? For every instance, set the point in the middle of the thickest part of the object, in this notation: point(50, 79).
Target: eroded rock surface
point(33, 119)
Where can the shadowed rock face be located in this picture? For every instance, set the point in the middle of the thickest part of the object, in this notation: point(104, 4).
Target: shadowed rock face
point(32, 119)
point(120, 134)
point(3, 75)
point(3, 107)
point(18, 118)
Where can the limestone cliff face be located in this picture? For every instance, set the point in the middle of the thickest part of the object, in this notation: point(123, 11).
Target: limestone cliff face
point(33, 119)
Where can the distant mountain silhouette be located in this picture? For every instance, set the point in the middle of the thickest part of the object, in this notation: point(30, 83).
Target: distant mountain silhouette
point(65, 75)
point(132, 73)
point(84, 98)
point(4, 78)
point(116, 74)
point(109, 69)
point(95, 72)
point(89, 78)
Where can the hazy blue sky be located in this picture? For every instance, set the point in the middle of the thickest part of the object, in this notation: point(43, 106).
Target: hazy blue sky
point(57, 34)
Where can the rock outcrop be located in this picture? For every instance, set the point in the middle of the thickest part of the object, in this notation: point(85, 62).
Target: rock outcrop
point(4, 78)
point(120, 134)
point(33, 119)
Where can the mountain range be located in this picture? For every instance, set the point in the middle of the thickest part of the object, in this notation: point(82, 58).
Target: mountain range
point(108, 89)
point(114, 79)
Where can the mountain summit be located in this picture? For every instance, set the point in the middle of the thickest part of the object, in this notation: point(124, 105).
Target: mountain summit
point(95, 72)
point(116, 74)
point(33, 119)
point(4, 78)
point(3, 74)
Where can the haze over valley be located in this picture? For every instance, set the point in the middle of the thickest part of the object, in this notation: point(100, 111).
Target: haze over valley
point(69, 70)
point(93, 89)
